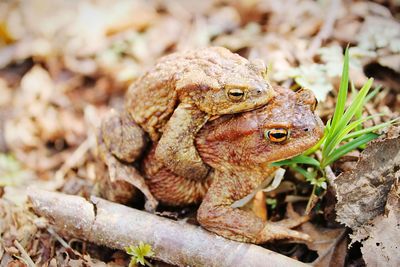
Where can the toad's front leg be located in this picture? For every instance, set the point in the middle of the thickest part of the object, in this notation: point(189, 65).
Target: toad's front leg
point(176, 147)
point(216, 215)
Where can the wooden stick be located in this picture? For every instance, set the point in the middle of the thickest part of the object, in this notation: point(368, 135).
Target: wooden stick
point(117, 226)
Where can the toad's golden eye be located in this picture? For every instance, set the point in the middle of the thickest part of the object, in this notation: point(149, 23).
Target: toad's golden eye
point(235, 94)
point(277, 135)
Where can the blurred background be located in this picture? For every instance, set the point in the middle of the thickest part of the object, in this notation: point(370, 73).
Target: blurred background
point(64, 64)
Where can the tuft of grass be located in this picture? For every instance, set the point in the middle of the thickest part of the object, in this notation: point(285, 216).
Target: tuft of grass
point(138, 254)
point(343, 133)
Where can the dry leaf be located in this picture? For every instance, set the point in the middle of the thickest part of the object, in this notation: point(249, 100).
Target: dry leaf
point(390, 61)
point(380, 32)
point(381, 236)
point(57, 58)
point(330, 244)
point(259, 206)
point(362, 192)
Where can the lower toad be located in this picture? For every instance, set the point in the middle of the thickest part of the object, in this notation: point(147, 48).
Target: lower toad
point(240, 148)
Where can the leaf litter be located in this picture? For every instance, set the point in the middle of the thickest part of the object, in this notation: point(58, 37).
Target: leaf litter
point(64, 64)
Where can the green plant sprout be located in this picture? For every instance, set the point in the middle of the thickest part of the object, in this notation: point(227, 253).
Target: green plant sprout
point(343, 133)
point(272, 202)
point(138, 253)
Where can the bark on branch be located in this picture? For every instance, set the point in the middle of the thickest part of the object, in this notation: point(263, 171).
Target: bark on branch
point(117, 226)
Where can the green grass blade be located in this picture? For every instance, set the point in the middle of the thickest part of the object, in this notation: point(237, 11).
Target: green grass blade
point(363, 139)
point(338, 138)
point(344, 85)
point(370, 129)
point(328, 124)
point(300, 159)
point(372, 94)
point(354, 107)
point(353, 89)
point(341, 99)
point(358, 114)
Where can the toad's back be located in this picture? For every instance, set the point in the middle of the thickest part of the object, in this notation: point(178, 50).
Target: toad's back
point(152, 98)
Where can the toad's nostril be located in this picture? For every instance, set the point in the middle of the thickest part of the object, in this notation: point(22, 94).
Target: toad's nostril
point(306, 129)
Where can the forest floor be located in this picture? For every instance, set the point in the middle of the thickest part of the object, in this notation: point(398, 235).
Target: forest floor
point(65, 64)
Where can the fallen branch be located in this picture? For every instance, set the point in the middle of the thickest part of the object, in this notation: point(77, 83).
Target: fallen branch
point(117, 226)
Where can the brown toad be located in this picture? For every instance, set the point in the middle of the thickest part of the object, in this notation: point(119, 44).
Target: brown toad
point(240, 148)
point(174, 99)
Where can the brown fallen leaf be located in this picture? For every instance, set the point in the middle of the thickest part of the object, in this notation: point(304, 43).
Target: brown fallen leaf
point(330, 244)
point(379, 32)
point(58, 59)
point(259, 206)
point(17, 231)
point(390, 61)
point(362, 193)
point(382, 234)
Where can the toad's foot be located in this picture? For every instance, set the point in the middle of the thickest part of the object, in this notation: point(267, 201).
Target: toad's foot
point(115, 191)
point(217, 215)
point(119, 171)
point(122, 136)
point(282, 230)
point(245, 226)
point(129, 174)
point(176, 147)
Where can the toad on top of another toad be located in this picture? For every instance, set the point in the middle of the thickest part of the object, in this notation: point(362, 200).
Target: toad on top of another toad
point(240, 149)
point(173, 100)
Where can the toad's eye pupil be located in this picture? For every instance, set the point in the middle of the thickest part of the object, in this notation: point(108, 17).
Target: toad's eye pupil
point(277, 135)
point(235, 94)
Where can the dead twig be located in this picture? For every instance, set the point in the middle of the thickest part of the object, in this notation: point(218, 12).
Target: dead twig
point(117, 226)
point(24, 254)
point(59, 238)
point(330, 175)
point(76, 157)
